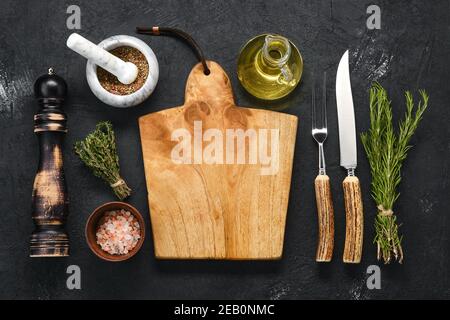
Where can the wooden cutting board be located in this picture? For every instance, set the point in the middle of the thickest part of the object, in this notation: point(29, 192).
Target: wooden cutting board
point(208, 208)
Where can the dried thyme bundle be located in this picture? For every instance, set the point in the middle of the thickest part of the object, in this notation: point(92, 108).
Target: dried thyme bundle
point(386, 152)
point(98, 152)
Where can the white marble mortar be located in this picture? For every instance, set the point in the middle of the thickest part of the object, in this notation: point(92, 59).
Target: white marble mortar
point(131, 99)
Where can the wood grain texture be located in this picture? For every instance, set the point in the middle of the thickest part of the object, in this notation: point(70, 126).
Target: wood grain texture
point(50, 204)
point(354, 220)
point(325, 215)
point(215, 211)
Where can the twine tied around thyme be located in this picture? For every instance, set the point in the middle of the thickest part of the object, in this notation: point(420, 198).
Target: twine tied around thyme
point(119, 186)
point(117, 183)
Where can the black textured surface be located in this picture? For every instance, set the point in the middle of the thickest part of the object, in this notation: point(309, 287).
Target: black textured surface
point(409, 52)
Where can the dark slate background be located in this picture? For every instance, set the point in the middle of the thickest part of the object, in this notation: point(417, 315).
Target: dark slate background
point(409, 52)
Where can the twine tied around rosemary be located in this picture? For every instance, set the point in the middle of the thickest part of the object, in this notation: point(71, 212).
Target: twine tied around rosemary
point(384, 212)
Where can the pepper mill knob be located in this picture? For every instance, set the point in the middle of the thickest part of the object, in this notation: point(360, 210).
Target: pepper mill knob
point(50, 90)
point(50, 86)
point(49, 199)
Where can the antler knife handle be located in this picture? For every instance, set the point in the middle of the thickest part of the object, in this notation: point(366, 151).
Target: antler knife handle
point(325, 215)
point(354, 220)
point(49, 199)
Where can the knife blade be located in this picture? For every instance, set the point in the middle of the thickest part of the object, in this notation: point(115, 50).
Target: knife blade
point(354, 218)
point(346, 115)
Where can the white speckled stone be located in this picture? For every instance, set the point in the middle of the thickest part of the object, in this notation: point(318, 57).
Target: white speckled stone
point(132, 99)
point(126, 72)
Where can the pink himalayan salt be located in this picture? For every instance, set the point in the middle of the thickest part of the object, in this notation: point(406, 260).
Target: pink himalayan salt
point(119, 232)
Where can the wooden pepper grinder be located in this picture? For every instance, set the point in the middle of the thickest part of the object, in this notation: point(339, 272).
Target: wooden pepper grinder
point(50, 201)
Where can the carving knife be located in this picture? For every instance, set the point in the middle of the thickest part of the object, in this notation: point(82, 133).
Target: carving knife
point(347, 144)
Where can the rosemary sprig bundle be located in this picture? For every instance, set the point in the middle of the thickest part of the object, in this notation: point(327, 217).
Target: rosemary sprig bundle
point(386, 152)
point(98, 152)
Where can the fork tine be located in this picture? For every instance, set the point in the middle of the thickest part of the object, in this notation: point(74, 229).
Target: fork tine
point(313, 104)
point(324, 102)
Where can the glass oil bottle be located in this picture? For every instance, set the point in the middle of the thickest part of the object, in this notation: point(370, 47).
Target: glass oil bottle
point(269, 67)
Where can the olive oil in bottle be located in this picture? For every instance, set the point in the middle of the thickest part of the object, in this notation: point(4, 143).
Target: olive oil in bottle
point(269, 67)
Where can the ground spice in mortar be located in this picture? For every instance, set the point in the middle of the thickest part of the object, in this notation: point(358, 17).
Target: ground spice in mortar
point(119, 232)
point(110, 81)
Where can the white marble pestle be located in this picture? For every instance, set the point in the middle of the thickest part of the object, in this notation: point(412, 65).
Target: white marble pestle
point(126, 72)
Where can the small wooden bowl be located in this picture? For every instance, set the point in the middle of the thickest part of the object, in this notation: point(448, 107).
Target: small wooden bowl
point(92, 224)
